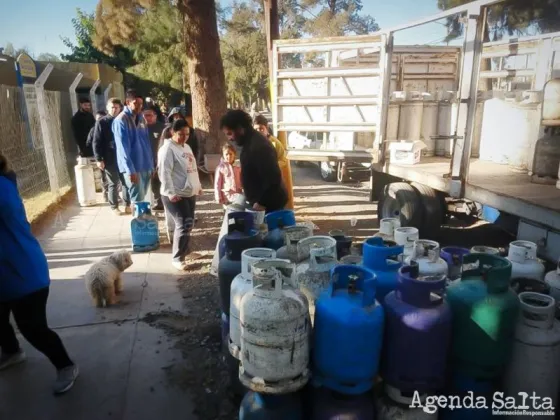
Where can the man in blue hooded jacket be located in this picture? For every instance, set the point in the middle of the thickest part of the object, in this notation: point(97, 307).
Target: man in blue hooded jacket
point(134, 151)
point(24, 288)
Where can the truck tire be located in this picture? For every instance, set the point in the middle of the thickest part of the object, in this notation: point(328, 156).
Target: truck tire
point(328, 173)
point(433, 205)
point(400, 200)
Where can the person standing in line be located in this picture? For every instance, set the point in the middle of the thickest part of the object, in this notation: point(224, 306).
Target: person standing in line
point(260, 173)
point(227, 180)
point(179, 187)
point(105, 153)
point(134, 152)
point(89, 145)
point(260, 123)
point(155, 129)
point(82, 122)
point(24, 288)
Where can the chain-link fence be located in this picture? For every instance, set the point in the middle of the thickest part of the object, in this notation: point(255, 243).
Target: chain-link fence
point(21, 141)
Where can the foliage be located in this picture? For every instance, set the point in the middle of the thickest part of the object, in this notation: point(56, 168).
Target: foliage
point(84, 50)
point(158, 48)
point(244, 53)
point(337, 17)
point(515, 17)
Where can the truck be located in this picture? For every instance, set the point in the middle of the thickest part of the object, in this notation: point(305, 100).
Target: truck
point(434, 127)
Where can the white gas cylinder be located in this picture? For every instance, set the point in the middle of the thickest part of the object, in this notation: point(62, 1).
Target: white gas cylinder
point(85, 183)
point(535, 362)
point(407, 236)
point(314, 272)
point(483, 249)
point(387, 228)
point(241, 284)
point(524, 263)
point(394, 406)
point(426, 254)
point(552, 278)
point(293, 235)
point(275, 333)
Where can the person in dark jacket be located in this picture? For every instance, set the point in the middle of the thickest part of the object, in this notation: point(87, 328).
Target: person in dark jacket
point(106, 156)
point(260, 173)
point(82, 122)
point(24, 288)
point(155, 128)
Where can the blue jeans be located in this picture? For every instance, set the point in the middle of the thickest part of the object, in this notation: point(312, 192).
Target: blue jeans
point(138, 191)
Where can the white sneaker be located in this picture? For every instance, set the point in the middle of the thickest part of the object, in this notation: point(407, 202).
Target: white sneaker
point(65, 379)
point(8, 360)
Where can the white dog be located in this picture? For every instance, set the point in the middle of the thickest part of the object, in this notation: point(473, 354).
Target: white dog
point(103, 279)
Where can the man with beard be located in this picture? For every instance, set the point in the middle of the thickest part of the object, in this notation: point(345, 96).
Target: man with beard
point(260, 173)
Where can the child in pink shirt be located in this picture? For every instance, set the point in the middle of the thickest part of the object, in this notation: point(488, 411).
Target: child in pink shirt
point(227, 181)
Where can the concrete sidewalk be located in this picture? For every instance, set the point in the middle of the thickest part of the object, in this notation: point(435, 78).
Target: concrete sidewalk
point(122, 360)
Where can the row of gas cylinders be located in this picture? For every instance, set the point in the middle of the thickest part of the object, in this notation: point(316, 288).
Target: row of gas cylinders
point(304, 313)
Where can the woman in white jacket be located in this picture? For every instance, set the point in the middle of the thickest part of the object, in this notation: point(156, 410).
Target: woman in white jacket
point(180, 185)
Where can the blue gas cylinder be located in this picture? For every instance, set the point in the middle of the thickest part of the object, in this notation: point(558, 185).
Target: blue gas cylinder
point(276, 221)
point(144, 228)
point(238, 239)
point(453, 256)
point(256, 406)
point(416, 317)
point(237, 221)
point(348, 332)
point(332, 405)
point(382, 257)
point(472, 394)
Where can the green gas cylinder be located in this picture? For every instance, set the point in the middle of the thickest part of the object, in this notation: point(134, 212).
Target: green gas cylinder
point(484, 311)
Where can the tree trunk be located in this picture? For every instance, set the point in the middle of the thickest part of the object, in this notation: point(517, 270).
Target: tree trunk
point(206, 71)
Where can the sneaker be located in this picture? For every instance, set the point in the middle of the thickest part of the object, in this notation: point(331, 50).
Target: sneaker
point(158, 207)
point(65, 379)
point(116, 212)
point(8, 360)
point(128, 210)
point(180, 266)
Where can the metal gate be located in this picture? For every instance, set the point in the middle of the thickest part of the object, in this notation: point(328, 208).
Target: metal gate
point(316, 91)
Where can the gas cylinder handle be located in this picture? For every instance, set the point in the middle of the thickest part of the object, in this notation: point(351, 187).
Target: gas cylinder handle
point(251, 256)
point(358, 279)
point(426, 248)
point(240, 221)
point(521, 251)
point(327, 254)
point(416, 289)
point(285, 268)
point(537, 310)
point(267, 278)
point(382, 250)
